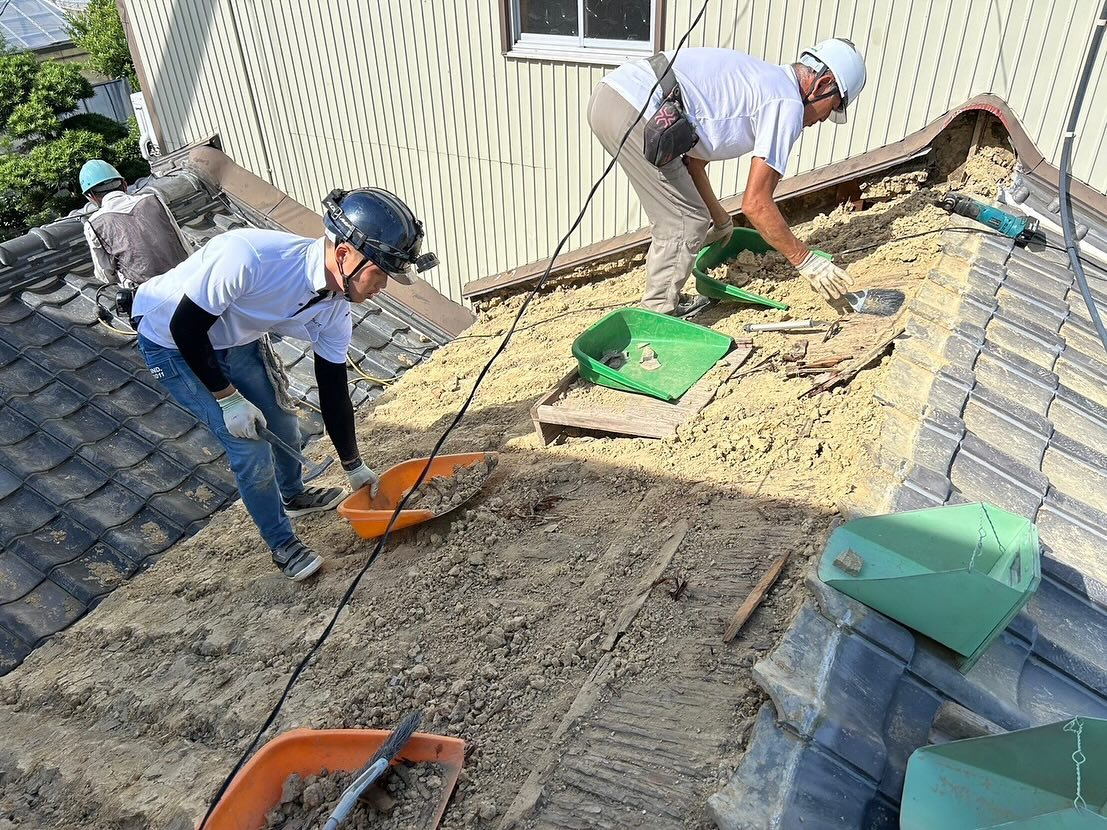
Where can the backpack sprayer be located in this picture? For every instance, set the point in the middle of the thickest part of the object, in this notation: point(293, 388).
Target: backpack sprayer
point(1019, 228)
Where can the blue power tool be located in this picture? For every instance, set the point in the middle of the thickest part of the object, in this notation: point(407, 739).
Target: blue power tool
point(1020, 228)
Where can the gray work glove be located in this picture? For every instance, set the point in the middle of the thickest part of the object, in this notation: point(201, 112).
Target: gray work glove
point(241, 417)
point(830, 281)
point(359, 475)
point(719, 233)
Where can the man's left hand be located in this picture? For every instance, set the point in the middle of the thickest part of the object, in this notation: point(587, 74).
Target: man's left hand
point(360, 475)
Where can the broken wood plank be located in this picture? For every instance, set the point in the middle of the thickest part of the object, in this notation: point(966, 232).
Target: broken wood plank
point(846, 374)
point(547, 434)
point(589, 693)
point(760, 366)
point(645, 584)
point(745, 611)
point(826, 362)
point(619, 544)
point(586, 698)
point(660, 426)
point(977, 133)
point(642, 416)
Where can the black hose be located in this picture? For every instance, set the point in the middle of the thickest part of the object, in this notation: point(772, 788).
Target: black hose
point(1068, 226)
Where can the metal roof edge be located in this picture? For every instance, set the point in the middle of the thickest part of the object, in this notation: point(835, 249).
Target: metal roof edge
point(275, 208)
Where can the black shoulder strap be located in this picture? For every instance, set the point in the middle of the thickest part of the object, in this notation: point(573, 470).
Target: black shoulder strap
point(663, 69)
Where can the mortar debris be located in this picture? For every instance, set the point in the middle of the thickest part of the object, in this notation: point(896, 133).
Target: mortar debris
point(406, 798)
point(443, 493)
point(751, 271)
point(648, 358)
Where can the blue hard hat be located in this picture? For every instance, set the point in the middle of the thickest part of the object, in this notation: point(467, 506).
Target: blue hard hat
point(96, 172)
point(381, 227)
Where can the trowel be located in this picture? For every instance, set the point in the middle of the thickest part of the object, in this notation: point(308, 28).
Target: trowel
point(310, 471)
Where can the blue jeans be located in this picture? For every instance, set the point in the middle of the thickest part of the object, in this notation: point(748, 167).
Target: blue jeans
point(263, 474)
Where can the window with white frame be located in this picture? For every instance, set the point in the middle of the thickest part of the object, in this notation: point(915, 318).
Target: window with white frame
point(606, 31)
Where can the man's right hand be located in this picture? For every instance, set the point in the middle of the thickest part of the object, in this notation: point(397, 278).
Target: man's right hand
point(830, 281)
point(241, 417)
point(720, 231)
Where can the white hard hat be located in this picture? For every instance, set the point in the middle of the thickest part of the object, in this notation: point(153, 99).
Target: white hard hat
point(843, 60)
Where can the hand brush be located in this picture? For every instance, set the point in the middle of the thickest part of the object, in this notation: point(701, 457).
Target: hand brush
point(374, 768)
point(880, 302)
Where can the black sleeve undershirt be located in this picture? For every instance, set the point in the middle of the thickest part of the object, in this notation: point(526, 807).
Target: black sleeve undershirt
point(337, 409)
point(189, 327)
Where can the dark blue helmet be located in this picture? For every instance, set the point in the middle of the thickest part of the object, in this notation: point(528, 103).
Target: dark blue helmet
point(380, 226)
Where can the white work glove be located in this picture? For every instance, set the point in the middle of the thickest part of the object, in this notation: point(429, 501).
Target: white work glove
point(241, 417)
point(830, 281)
point(719, 233)
point(360, 475)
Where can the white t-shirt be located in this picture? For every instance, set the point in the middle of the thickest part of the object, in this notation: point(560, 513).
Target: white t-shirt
point(738, 104)
point(255, 281)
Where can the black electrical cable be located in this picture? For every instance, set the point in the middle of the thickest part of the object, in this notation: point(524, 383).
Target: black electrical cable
point(542, 322)
point(441, 440)
point(981, 231)
point(1068, 226)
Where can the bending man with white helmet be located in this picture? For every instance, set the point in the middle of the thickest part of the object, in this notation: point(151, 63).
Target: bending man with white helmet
point(200, 327)
point(716, 104)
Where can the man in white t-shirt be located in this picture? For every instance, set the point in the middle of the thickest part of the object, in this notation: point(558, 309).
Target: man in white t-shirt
point(738, 105)
point(200, 327)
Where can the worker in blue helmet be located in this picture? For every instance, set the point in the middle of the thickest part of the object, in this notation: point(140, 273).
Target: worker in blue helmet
point(131, 237)
point(201, 328)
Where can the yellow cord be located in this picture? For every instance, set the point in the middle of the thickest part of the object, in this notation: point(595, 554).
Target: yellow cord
point(124, 332)
point(370, 378)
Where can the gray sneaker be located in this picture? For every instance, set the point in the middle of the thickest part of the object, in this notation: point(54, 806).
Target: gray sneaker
point(296, 560)
point(691, 305)
point(313, 500)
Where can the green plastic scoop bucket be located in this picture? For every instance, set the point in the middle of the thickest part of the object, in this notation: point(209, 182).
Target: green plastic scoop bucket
point(1023, 780)
point(957, 574)
point(685, 352)
point(743, 239)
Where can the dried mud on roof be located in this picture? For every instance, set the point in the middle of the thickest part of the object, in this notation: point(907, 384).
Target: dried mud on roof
point(489, 620)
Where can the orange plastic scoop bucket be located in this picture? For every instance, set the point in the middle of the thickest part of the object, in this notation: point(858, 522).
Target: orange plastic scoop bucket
point(257, 787)
point(370, 515)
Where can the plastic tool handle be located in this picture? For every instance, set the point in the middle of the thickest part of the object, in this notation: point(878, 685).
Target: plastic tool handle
point(786, 325)
point(353, 792)
point(311, 472)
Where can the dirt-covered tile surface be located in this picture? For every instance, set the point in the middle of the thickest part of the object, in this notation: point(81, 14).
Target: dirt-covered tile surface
point(492, 619)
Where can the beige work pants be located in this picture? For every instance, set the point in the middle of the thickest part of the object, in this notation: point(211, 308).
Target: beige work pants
point(679, 219)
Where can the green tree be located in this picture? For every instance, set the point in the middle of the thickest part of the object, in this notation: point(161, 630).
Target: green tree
point(17, 73)
point(55, 88)
point(44, 145)
point(98, 31)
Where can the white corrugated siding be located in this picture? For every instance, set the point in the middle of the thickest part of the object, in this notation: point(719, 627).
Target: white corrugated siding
point(494, 153)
